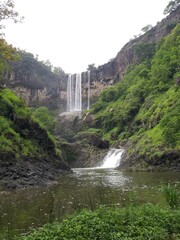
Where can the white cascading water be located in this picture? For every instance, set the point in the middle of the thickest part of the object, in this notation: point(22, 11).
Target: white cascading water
point(69, 94)
point(74, 94)
point(78, 93)
point(112, 159)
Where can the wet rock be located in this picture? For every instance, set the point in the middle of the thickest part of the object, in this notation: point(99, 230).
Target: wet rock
point(98, 142)
point(68, 124)
point(26, 172)
point(83, 154)
point(135, 162)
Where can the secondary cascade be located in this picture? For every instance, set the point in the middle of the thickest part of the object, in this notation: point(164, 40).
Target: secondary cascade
point(112, 159)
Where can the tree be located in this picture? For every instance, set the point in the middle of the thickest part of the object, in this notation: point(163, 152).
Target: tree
point(7, 12)
point(146, 28)
point(172, 5)
point(43, 116)
point(91, 67)
point(58, 71)
point(48, 64)
point(8, 54)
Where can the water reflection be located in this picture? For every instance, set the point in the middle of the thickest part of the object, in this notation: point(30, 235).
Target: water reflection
point(85, 188)
point(101, 177)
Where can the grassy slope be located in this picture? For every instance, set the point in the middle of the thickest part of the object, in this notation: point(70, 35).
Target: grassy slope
point(143, 108)
point(29, 154)
point(21, 135)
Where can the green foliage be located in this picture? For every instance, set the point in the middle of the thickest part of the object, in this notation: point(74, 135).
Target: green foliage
point(9, 102)
point(21, 133)
point(166, 61)
point(91, 67)
point(171, 125)
point(145, 51)
point(11, 98)
point(7, 12)
point(109, 95)
point(145, 222)
point(146, 28)
point(43, 116)
point(11, 143)
point(37, 74)
point(7, 54)
point(128, 95)
point(172, 5)
point(172, 195)
point(144, 106)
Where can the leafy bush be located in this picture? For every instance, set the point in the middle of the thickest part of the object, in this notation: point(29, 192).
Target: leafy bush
point(145, 222)
point(145, 51)
point(172, 196)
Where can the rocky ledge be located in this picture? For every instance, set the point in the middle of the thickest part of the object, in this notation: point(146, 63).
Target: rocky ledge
point(169, 160)
point(23, 173)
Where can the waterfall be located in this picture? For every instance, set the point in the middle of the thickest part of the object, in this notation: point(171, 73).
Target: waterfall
point(88, 104)
point(74, 93)
point(112, 159)
point(78, 94)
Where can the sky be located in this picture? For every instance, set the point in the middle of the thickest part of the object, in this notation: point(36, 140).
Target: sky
point(75, 33)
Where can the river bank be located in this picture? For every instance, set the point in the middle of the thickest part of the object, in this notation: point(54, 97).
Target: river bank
point(28, 172)
point(22, 210)
point(133, 222)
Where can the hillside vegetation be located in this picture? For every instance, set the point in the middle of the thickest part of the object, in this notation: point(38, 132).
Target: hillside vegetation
point(142, 111)
point(29, 152)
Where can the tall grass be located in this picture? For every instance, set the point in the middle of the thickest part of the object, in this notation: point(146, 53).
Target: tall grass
point(171, 195)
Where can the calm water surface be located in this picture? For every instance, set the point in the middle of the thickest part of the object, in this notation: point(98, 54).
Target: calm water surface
point(86, 188)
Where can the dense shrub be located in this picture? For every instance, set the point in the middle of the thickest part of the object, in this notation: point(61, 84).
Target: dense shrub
point(145, 222)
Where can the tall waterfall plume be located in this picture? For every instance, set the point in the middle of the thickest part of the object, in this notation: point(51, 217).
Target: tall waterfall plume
point(74, 93)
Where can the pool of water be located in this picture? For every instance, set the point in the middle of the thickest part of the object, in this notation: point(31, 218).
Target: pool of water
point(22, 210)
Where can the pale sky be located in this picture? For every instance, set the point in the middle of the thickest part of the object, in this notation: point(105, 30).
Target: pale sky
point(75, 33)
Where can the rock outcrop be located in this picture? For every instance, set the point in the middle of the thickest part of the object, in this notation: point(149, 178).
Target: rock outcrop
point(37, 83)
point(84, 149)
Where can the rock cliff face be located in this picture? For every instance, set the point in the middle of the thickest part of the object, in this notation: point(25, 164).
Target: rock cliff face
point(36, 82)
point(128, 54)
point(132, 53)
point(39, 86)
point(114, 70)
